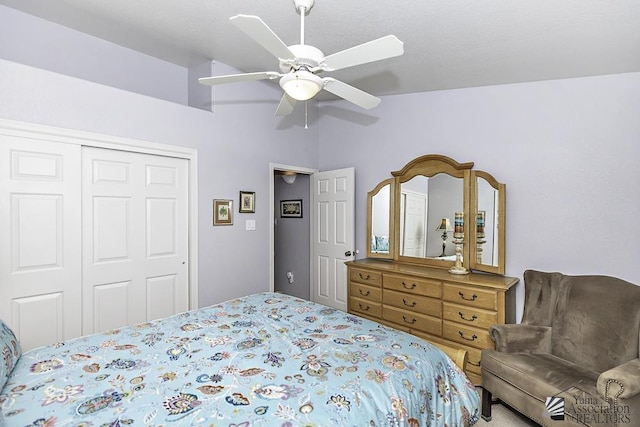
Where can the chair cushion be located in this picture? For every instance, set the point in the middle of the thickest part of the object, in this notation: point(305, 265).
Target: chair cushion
point(540, 375)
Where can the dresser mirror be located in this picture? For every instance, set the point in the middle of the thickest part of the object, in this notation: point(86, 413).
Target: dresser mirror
point(410, 218)
point(430, 190)
point(424, 203)
point(488, 251)
point(380, 220)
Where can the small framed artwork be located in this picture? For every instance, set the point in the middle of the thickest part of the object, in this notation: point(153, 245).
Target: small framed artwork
point(247, 202)
point(291, 209)
point(222, 212)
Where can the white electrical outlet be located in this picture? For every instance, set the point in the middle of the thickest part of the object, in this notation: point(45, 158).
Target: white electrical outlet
point(250, 225)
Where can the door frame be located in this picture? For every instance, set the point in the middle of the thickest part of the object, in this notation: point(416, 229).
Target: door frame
point(273, 167)
point(77, 137)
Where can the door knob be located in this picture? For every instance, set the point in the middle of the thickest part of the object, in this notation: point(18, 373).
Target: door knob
point(348, 253)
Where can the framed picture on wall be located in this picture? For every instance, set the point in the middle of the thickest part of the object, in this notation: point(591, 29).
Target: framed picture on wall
point(291, 209)
point(222, 212)
point(247, 202)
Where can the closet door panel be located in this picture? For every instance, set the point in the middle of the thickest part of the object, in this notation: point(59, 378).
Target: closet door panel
point(110, 305)
point(136, 231)
point(39, 319)
point(40, 268)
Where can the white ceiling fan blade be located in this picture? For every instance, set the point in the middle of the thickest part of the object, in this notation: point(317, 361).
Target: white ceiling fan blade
point(255, 28)
point(375, 50)
point(286, 105)
point(350, 93)
point(232, 78)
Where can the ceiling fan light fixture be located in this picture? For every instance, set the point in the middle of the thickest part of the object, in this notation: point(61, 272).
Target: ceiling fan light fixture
point(289, 177)
point(301, 85)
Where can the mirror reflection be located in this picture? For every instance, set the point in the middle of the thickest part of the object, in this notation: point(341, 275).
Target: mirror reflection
point(380, 221)
point(424, 203)
point(486, 223)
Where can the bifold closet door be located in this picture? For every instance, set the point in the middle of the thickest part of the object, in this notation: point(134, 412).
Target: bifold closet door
point(40, 252)
point(135, 238)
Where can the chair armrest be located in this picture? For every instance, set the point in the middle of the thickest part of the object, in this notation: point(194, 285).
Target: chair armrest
point(622, 382)
point(521, 338)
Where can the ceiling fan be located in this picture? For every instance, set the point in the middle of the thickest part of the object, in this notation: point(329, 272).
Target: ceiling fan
point(300, 64)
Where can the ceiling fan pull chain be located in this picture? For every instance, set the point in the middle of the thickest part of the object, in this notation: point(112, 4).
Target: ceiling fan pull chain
point(305, 114)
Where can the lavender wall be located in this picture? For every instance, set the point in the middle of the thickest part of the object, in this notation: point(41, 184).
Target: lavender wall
point(568, 151)
point(33, 41)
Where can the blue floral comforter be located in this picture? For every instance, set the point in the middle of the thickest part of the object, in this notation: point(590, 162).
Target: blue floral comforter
point(262, 360)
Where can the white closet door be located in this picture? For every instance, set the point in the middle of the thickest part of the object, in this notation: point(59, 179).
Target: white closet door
point(40, 267)
point(135, 238)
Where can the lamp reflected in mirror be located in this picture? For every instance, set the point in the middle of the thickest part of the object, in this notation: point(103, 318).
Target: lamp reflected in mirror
point(445, 227)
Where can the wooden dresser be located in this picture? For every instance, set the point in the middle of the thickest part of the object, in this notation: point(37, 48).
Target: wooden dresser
point(431, 303)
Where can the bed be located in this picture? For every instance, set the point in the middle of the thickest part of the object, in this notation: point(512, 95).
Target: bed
point(262, 360)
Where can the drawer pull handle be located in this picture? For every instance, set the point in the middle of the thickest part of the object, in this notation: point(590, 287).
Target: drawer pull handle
point(365, 308)
point(473, 297)
point(404, 301)
point(404, 285)
point(473, 363)
point(364, 294)
point(472, 319)
point(473, 337)
point(367, 277)
point(410, 322)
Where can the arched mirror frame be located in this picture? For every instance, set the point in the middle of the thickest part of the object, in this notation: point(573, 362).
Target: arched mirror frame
point(434, 165)
point(499, 267)
point(392, 219)
point(430, 165)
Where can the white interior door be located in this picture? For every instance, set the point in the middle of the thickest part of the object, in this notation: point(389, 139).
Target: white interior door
point(135, 238)
point(415, 222)
point(333, 235)
point(40, 248)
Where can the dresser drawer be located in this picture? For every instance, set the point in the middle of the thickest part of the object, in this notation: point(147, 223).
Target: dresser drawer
point(412, 320)
point(369, 277)
point(470, 316)
point(469, 296)
point(406, 329)
point(367, 292)
point(425, 287)
point(357, 313)
point(468, 335)
point(473, 360)
point(412, 302)
point(366, 307)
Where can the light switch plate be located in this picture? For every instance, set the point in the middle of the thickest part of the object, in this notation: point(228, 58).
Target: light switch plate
point(250, 225)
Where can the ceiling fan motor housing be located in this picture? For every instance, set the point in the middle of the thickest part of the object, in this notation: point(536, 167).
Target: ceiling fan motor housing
point(306, 56)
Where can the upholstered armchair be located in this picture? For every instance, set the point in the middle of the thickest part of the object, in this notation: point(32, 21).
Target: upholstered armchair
point(577, 345)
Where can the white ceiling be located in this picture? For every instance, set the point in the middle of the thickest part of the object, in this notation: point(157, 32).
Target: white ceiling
point(448, 43)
